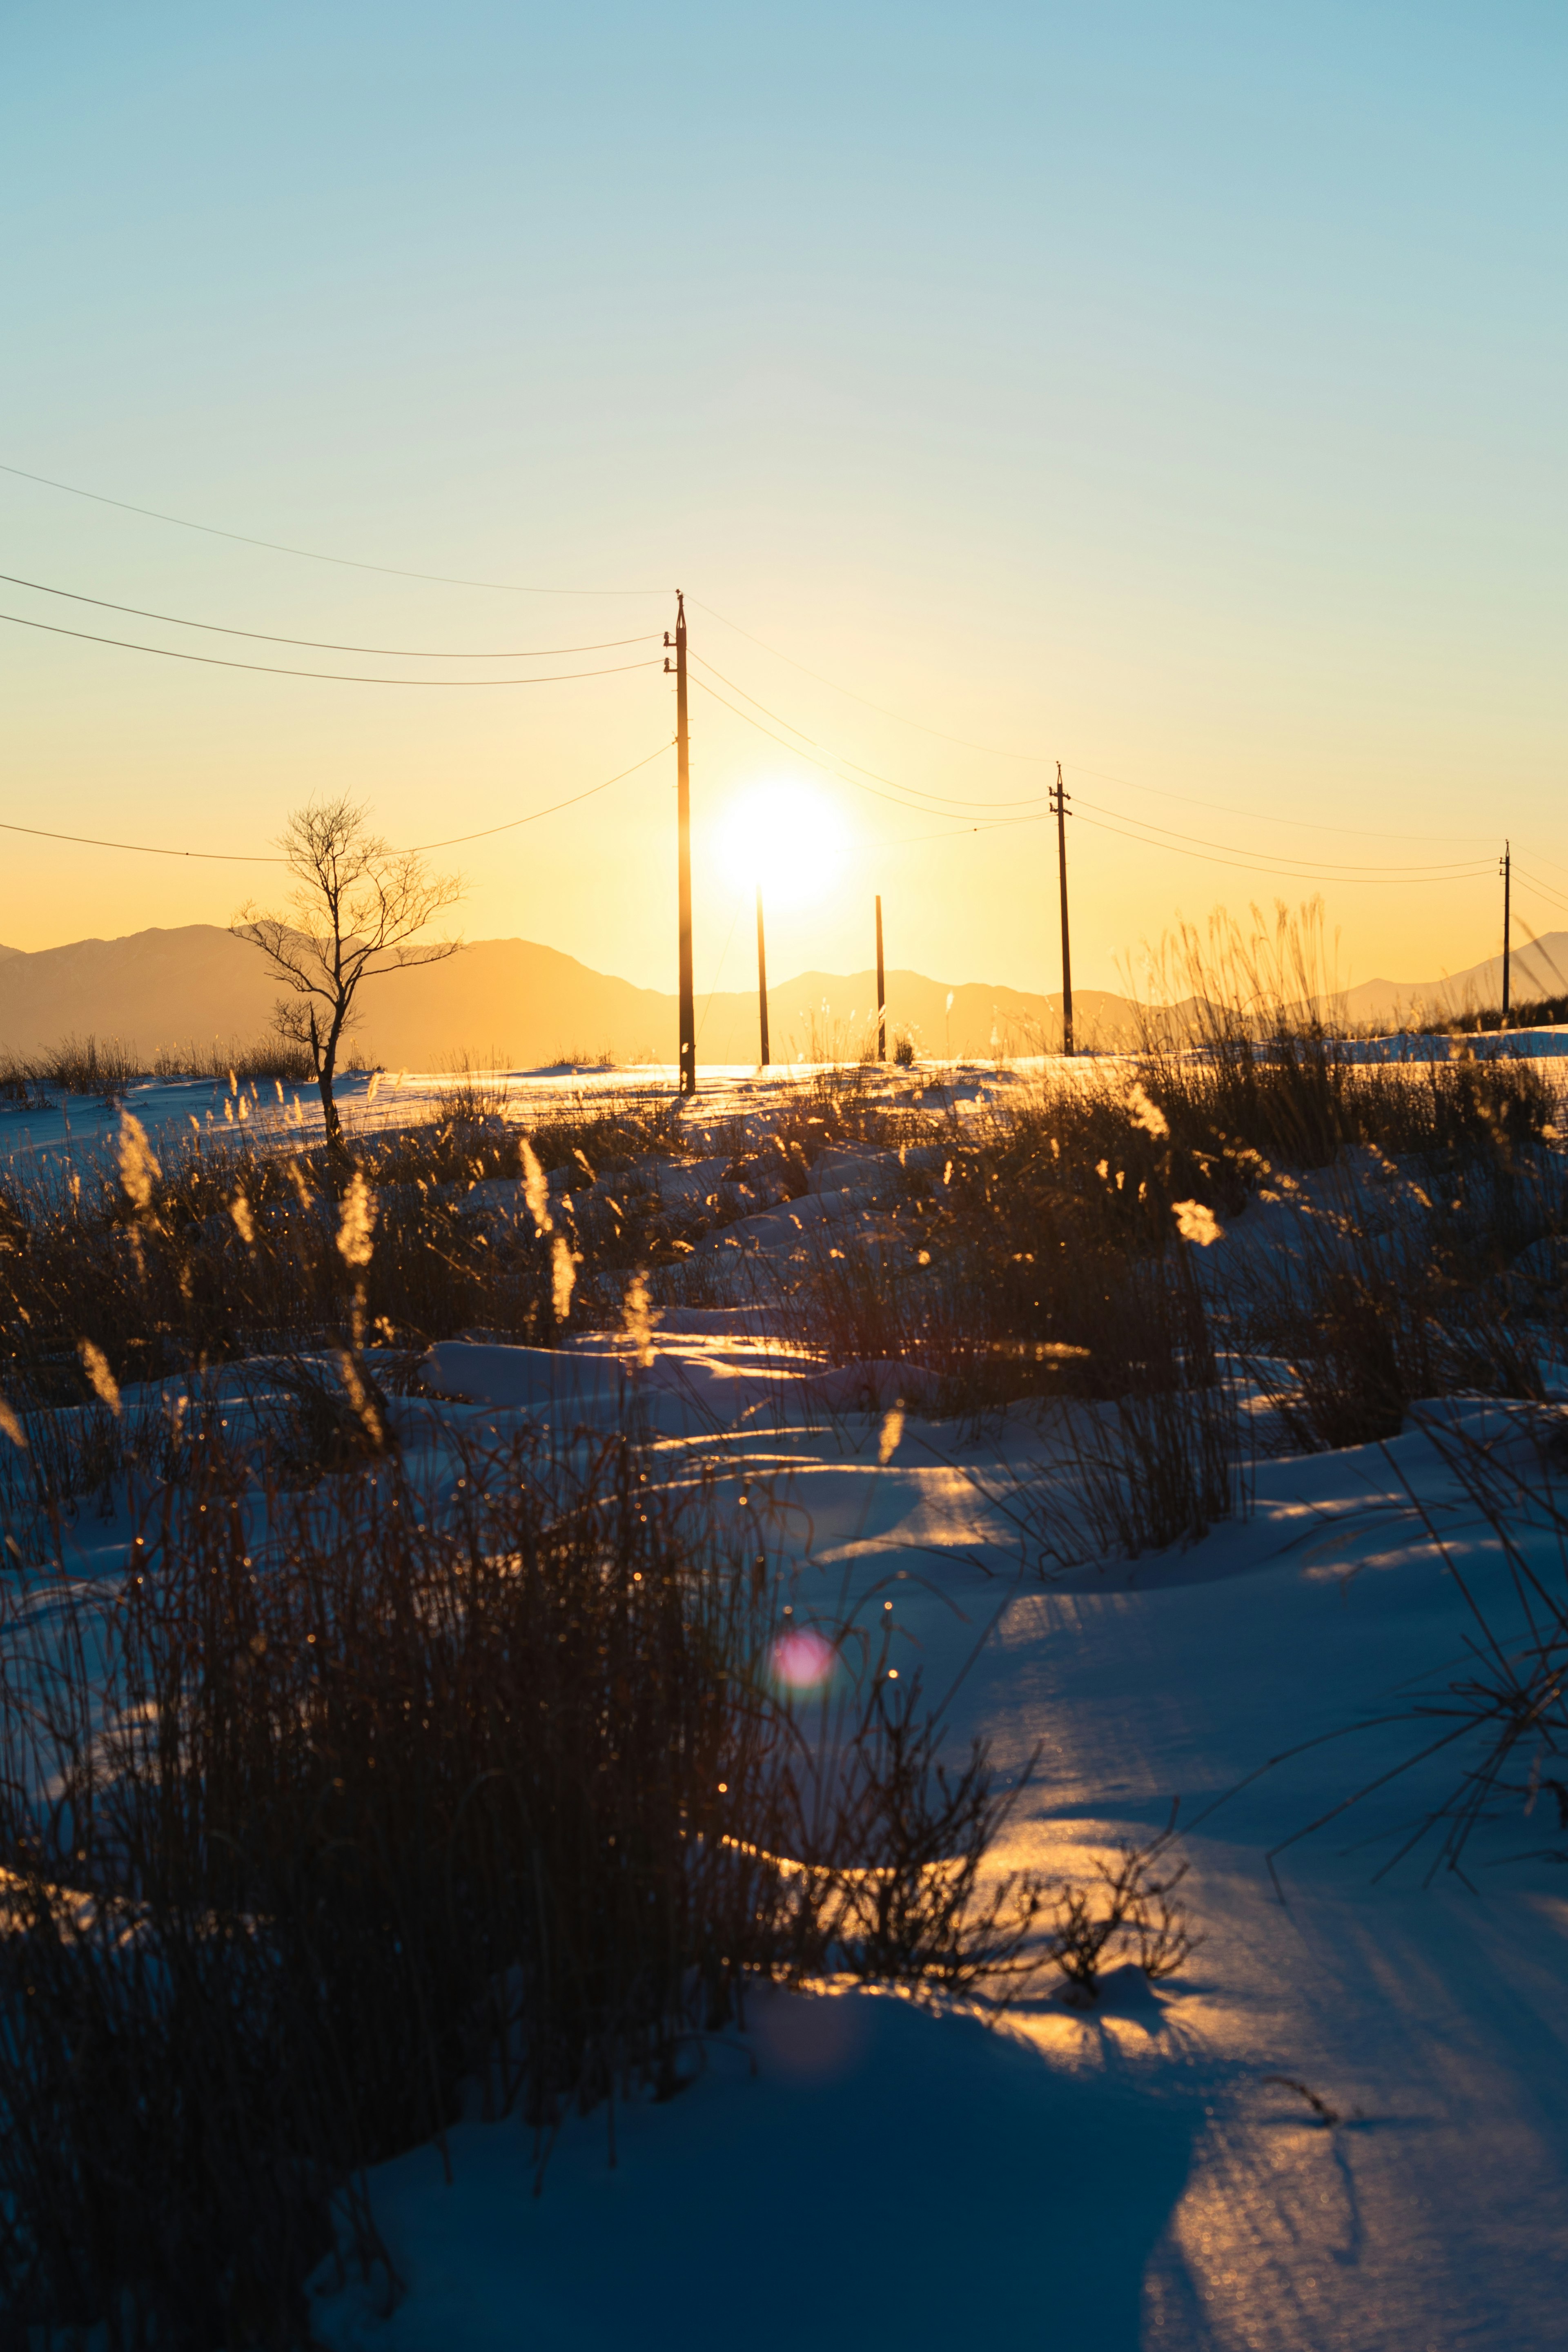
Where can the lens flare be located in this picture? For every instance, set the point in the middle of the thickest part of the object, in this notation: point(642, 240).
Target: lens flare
point(804, 1660)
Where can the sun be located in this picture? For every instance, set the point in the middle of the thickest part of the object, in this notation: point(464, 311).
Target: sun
point(784, 834)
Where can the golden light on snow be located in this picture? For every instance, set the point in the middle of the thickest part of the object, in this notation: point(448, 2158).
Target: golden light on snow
point(786, 835)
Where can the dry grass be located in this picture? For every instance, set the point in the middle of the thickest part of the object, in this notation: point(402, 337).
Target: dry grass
point(1501, 1717)
point(380, 1798)
point(106, 1067)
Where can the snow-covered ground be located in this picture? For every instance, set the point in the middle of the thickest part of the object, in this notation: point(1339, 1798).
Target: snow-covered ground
point(371, 1102)
point(1152, 2172)
point(1138, 2175)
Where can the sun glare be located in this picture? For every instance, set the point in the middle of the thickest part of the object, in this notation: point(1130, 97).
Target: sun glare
point(788, 837)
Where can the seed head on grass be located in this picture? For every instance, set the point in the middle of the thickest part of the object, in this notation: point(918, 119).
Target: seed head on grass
point(640, 1318)
point(564, 1276)
point(95, 1363)
point(244, 1223)
point(138, 1170)
point(359, 1395)
point(355, 1243)
point(1147, 1115)
point(1196, 1223)
point(11, 1425)
point(535, 1190)
point(893, 1431)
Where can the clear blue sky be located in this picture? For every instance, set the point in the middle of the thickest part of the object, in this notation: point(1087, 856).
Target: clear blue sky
point(1175, 391)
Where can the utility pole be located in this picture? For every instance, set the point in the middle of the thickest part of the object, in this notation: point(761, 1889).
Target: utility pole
point(881, 994)
point(1505, 866)
point(1059, 798)
point(683, 830)
point(762, 979)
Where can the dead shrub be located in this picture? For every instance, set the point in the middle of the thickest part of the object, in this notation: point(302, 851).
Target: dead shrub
point(1130, 1904)
point(356, 1801)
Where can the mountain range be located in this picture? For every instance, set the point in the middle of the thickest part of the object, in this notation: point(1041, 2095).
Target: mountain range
point(499, 1002)
point(514, 1004)
point(1539, 969)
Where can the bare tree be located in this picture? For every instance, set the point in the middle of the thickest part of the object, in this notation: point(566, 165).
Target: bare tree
point(354, 911)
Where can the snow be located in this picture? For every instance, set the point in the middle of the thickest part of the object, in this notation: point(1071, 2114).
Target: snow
point(1140, 2175)
point(1148, 2173)
point(887, 2177)
point(373, 1102)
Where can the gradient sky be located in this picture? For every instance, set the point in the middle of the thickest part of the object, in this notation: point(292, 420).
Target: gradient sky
point(1175, 391)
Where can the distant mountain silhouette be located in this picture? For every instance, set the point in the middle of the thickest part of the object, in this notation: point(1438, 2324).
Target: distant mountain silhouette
point(507, 1001)
point(517, 1004)
point(1539, 968)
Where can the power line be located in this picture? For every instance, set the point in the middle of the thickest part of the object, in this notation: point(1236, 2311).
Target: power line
point(253, 857)
point(1305, 824)
point(325, 645)
point(312, 555)
point(1330, 865)
point(1038, 758)
point(327, 676)
point(809, 757)
point(1284, 873)
point(1288, 872)
point(1333, 869)
point(1030, 800)
point(1288, 869)
point(147, 849)
point(815, 758)
point(1555, 864)
point(512, 823)
point(1542, 889)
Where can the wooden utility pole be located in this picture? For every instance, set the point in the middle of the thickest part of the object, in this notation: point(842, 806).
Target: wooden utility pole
point(1506, 868)
point(1059, 798)
point(762, 980)
point(881, 994)
point(683, 830)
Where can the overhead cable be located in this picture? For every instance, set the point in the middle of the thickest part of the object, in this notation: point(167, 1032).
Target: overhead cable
point(533, 817)
point(821, 756)
point(951, 802)
point(1037, 758)
point(1250, 862)
point(147, 849)
point(1284, 873)
point(1448, 866)
point(1542, 889)
point(326, 644)
point(253, 857)
point(312, 555)
point(996, 752)
point(811, 759)
point(1288, 872)
point(1299, 823)
point(328, 676)
point(1555, 862)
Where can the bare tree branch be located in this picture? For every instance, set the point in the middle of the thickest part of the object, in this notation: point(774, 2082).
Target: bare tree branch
point(353, 913)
